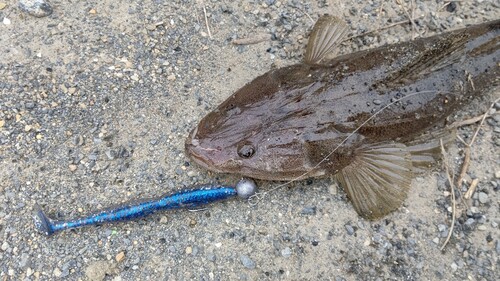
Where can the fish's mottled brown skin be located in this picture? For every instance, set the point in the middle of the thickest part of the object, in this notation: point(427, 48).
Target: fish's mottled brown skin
point(283, 123)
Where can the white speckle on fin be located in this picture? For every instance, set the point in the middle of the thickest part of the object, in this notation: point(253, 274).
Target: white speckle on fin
point(378, 180)
point(327, 34)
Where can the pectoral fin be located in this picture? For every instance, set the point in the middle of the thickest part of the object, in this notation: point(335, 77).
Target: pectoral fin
point(378, 180)
point(327, 34)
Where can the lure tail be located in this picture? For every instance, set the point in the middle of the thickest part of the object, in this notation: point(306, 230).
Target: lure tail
point(42, 223)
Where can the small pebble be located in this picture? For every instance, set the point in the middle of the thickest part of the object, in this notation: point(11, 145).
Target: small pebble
point(57, 272)
point(470, 221)
point(195, 250)
point(308, 211)
point(349, 229)
point(111, 154)
point(247, 262)
point(92, 156)
point(451, 7)
point(120, 256)
point(483, 198)
point(497, 105)
point(286, 252)
point(211, 257)
point(474, 210)
point(36, 8)
point(442, 227)
point(332, 189)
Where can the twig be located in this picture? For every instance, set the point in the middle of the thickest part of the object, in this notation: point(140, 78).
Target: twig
point(206, 22)
point(444, 6)
point(380, 8)
point(482, 121)
point(379, 29)
point(252, 40)
point(412, 8)
point(453, 203)
point(472, 189)
point(310, 18)
point(465, 164)
point(470, 121)
point(412, 20)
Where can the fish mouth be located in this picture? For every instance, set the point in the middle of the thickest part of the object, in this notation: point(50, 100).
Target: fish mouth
point(198, 153)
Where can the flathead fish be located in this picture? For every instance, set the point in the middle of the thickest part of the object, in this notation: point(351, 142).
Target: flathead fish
point(360, 116)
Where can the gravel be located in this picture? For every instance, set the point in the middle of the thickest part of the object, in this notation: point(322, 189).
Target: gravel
point(96, 99)
point(36, 8)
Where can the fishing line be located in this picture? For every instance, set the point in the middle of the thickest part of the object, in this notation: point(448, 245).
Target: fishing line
point(254, 199)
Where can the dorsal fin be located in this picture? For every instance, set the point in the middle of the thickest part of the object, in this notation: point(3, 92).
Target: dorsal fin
point(327, 34)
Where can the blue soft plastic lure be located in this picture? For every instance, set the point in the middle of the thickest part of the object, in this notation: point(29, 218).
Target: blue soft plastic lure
point(199, 196)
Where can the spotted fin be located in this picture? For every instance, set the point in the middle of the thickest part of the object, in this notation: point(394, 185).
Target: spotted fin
point(327, 34)
point(378, 180)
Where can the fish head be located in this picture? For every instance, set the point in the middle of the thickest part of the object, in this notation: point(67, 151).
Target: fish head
point(244, 147)
point(226, 148)
point(241, 136)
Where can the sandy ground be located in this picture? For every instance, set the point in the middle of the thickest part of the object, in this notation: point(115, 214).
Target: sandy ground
point(97, 99)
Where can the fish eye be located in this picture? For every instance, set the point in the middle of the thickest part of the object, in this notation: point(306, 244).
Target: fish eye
point(246, 150)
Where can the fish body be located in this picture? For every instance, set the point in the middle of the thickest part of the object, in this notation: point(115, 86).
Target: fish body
point(357, 116)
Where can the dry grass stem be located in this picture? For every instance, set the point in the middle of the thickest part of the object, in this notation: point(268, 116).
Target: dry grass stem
point(206, 22)
point(453, 201)
point(257, 38)
point(378, 29)
point(410, 18)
